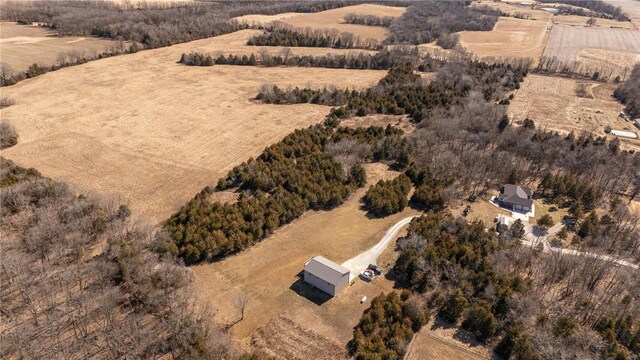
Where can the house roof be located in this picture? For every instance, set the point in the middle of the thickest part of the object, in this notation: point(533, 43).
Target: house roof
point(325, 269)
point(516, 195)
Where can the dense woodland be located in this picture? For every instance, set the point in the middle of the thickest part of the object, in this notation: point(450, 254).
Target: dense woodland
point(628, 93)
point(387, 326)
point(426, 21)
point(387, 196)
point(600, 7)
point(79, 279)
point(282, 35)
point(297, 174)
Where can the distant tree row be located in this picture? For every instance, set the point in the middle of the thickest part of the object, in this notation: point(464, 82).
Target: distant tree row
point(402, 91)
point(426, 21)
point(599, 6)
point(281, 35)
point(628, 93)
point(387, 196)
point(368, 20)
point(378, 61)
point(387, 326)
point(579, 69)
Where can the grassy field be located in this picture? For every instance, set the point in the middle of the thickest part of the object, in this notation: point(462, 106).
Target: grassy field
point(566, 41)
point(510, 38)
point(267, 273)
point(553, 104)
point(152, 132)
point(575, 20)
point(435, 342)
point(629, 7)
point(334, 19)
point(23, 45)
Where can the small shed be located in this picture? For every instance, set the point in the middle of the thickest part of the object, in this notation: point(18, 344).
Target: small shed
point(625, 134)
point(326, 275)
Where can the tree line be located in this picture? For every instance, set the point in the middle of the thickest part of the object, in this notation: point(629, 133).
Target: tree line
point(80, 279)
point(381, 60)
point(628, 93)
point(578, 69)
point(282, 35)
point(602, 8)
point(368, 20)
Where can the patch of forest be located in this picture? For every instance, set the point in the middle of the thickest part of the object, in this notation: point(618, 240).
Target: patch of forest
point(368, 20)
point(427, 21)
point(387, 196)
point(282, 35)
point(80, 279)
point(628, 93)
point(288, 178)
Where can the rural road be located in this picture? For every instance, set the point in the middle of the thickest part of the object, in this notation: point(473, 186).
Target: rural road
point(361, 261)
point(532, 240)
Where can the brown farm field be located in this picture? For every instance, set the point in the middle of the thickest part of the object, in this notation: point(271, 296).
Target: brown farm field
point(280, 307)
point(510, 38)
point(553, 104)
point(575, 20)
point(437, 342)
point(334, 19)
point(566, 41)
point(153, 132)
point(23, 45)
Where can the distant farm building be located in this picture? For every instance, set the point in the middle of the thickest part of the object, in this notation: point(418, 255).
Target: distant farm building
point(516, 198)
point(326, 275)
point(624, 134)
point(550, 9)
point(526, 3)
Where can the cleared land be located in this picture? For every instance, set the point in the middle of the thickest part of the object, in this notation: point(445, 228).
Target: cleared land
point(575, 20)
point(510, 38)
point(514, 9)
point(268, 273)
point(23, 45)
point(553, 104)
point(438, 342)
point(619, 62)
point(334, 19)
point(154, 132)
point(566, 41)
point(629, 7)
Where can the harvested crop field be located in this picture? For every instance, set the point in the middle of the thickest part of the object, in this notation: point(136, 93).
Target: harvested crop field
point(23, 45)
point(552, 102)
point(154, 132)
point(514, 9)
point(510, 38)
point(629, 7)
point(618, 63)
point(334, 19)
point(566, 41)
point(268, 274)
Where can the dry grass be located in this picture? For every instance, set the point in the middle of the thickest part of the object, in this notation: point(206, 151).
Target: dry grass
point(268, 270)
point(515, 8)
point(510, 38)
point(480, 210)
point(334, 19)
point(399, 121)
point(566, 41)
point(153, 132)
point(23, 45)
point(629, 7)
point(434, 342)
point(575, 20)
point(553, 104)
point(619, 62)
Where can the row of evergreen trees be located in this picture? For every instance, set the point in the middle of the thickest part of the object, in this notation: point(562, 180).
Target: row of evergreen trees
point(283, 36)
point(288, 178)
point(402, 91)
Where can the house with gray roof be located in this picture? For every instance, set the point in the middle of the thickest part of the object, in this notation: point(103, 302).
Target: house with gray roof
point(515, 198)
point(326, 275)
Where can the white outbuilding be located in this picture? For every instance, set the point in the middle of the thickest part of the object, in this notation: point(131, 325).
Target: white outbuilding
point(326, 275)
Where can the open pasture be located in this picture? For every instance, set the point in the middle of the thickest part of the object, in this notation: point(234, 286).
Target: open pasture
point(575, 20)
point(510, 38)
point(153, 132)
point(23, 45)
point(334, 19)
point(566, 41)
point(553, 104)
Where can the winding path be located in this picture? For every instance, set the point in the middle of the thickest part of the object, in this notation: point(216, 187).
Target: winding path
point(361, 261)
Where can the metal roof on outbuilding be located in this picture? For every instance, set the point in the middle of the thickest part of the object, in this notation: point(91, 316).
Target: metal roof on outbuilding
point(325, 269)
